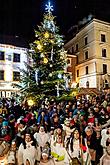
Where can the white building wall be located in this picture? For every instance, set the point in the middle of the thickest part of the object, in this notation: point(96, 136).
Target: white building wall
point(9, 66)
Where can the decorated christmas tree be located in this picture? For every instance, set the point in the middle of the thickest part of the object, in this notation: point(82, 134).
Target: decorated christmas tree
point(45, 75)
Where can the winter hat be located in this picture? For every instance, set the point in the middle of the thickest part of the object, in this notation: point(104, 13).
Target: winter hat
point(19, 119)
point(67, 122)
point(5, 123)
point(45, 152)
point(89, 128)
point(11, 118)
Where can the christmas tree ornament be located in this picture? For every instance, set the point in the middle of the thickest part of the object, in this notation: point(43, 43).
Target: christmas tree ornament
point(46, 35)
point(49, 8)
point(59, 75)
point(52, 41)
point(39, 46)
point(30, 102)
point(51, 65)
point(50, 74)
point(41, 55)
point(45, 60)
point(42, 82)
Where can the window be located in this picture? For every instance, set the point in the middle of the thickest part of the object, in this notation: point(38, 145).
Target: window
point(86, 40)
point(16, 76)
point(77, 73)
point(76, 47)
point(103, 39)
point(2, 57)
point(104, 68)
point(1, 74)
point(87, 84)
point(86, 55)
point(9, 57)
point(86, 69)
point(103, 52)
point(16, 57)
point(72, 50)
point(69, 61)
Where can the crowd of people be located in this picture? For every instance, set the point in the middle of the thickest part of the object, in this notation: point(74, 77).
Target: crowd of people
point(75, 132)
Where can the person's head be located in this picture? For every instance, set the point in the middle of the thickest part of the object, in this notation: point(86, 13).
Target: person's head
point(41, 129)
point(5, 124)
point(28, 137)
point(55, 118)
point(45, 154)
point(59, 130)
point(88, 130)
point(67, 122)
point(75, 117)
point(59, 139)
point(76, 134)
point(21, 124)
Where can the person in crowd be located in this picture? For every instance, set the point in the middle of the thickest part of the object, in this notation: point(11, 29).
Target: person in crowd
point(105, 133)
point(91, 139)
point(67, 128)
point(46, 159)
point(20, 130)
point(58, 132)
point(27, 151)
point(59, 152)
point(41, 137)
point(105, 159)
point(5, 138)
point(12, 154)
point(42, 119)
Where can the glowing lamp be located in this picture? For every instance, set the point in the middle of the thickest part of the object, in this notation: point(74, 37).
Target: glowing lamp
point(45, 60)
point(39, 46)
point(30, 102)
point(46, 35)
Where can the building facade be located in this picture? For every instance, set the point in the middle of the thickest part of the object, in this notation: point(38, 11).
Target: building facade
point(91, 46)
point(11, 61)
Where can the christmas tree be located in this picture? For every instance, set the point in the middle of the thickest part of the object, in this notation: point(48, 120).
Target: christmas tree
point(45, 75)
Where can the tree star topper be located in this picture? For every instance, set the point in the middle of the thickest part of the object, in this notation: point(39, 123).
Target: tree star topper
point(49, 8)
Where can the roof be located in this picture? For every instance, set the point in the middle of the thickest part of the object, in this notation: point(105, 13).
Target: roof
point(88, 91)
point(13, 40)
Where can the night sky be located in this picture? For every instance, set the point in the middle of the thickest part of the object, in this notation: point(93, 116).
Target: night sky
point(21, 17)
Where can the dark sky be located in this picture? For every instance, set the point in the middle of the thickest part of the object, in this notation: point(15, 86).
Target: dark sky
point(21, 17)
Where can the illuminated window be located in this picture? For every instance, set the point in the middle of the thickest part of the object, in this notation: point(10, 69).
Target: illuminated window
point(104, 68)
point(2, 56)
point(1, 74)
point(86, 69)
point(16, 57)
point(103, 52)
point(16, 76)
point(103, 38)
